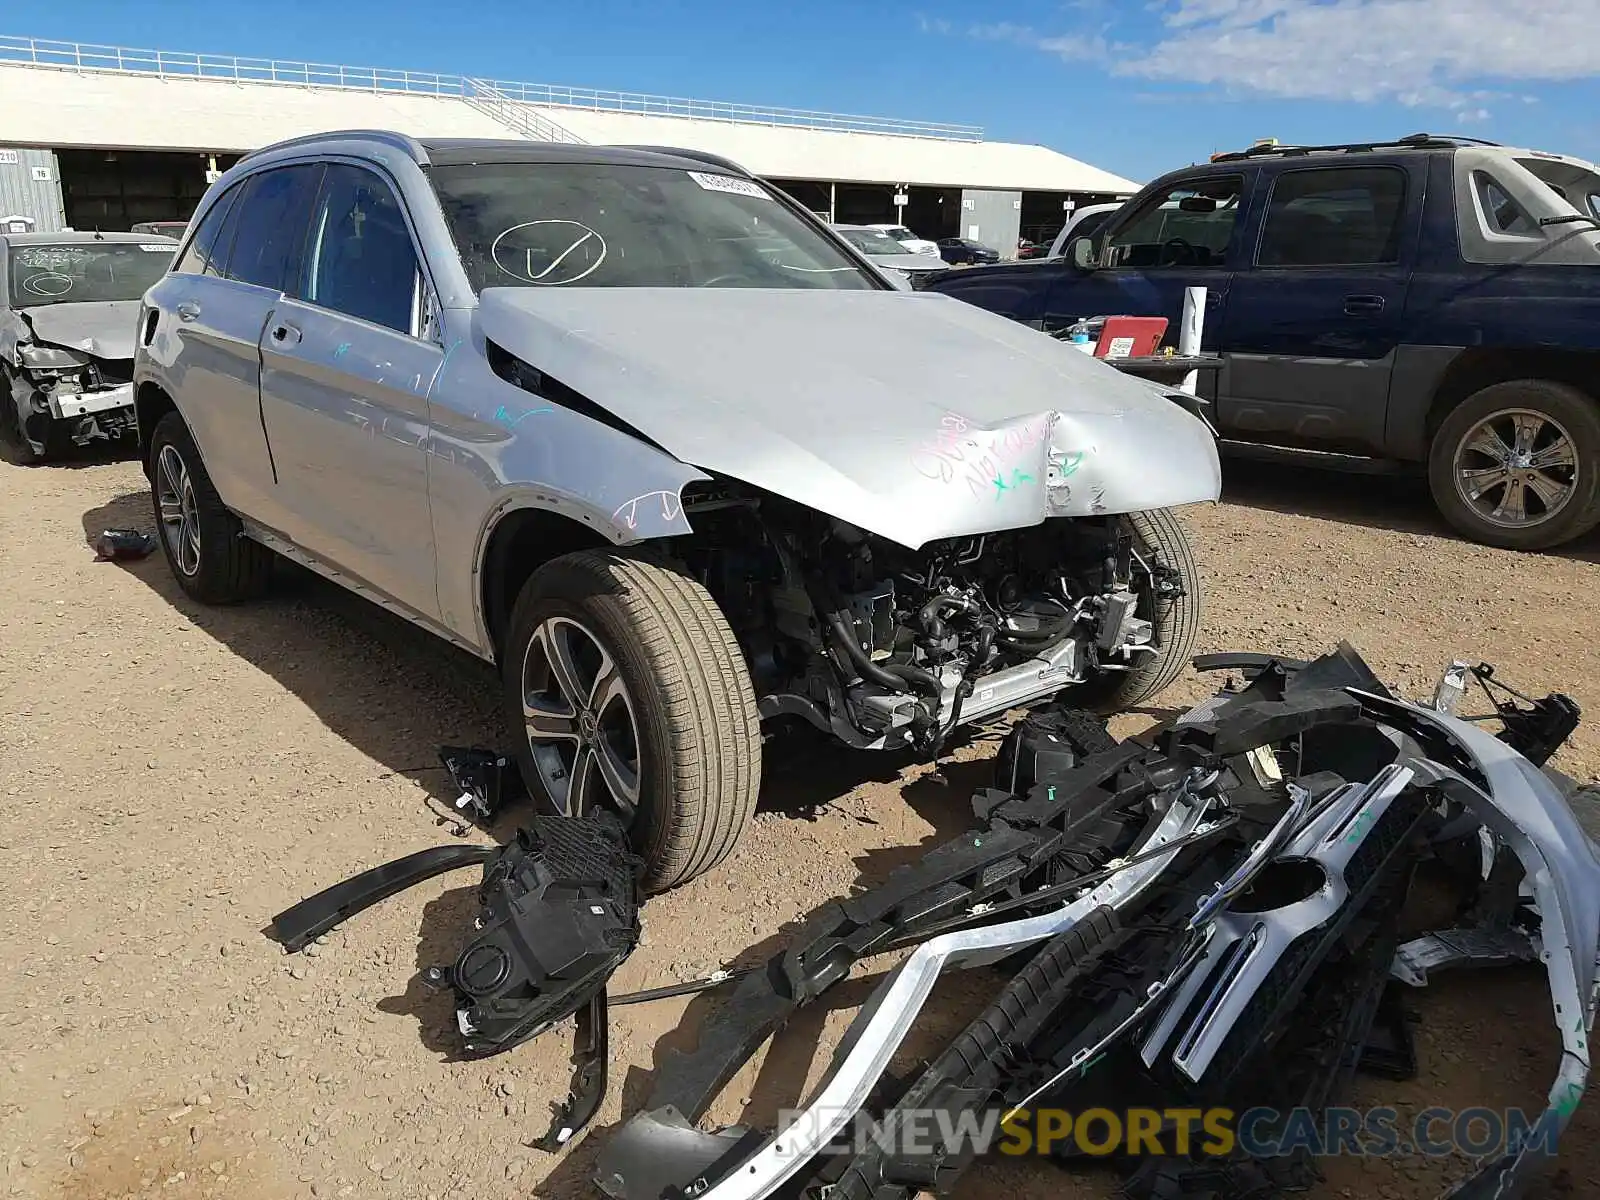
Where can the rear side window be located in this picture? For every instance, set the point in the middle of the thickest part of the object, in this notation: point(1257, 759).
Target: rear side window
point(272, 226)
point(360, 260)
point(208, 249)
point(1334, 216)
point(1501, 213)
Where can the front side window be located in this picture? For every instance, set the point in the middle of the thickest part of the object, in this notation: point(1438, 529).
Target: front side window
point(360, 259)
point(1189, 225)
point(207, 251)
point(1334, 216)
point(622, 225)
point(272, 226)
point(79, 272)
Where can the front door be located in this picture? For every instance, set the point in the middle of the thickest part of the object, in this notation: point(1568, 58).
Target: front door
point(344, 386)
point(1183, 237)
point(1313, 323)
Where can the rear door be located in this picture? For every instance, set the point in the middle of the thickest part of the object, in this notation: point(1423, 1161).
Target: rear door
point(1187, 235)
point(217, 300)
point(1313, 324)
point(345, 374)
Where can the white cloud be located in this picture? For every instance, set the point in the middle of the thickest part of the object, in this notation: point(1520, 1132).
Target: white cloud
point(1435, 53)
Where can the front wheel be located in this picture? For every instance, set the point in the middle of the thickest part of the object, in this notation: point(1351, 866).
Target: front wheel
point(1517, 465)
point(1163, 547)
point(633, 697)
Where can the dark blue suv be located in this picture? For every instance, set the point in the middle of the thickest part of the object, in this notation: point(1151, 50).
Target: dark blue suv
point(1434, 300)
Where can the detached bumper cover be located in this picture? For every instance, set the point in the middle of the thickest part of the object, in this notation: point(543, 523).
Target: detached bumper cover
point(1218, 981)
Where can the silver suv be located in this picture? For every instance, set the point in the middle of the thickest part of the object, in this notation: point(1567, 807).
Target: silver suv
point(649, 436)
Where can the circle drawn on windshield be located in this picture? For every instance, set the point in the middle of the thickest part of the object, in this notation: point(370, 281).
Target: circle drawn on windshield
point(549, 253)
point(48, 283)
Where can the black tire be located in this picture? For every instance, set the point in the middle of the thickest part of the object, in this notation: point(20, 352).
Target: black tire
point(698, 735)
point(1176, 621)
point(230, 567)
point(1570, 409)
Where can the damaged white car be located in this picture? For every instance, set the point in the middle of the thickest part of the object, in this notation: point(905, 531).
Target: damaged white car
point(648, 435)
point(68, 304)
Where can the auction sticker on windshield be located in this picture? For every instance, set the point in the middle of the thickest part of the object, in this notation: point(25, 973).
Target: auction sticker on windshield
point(156, 247)
point(728, 183)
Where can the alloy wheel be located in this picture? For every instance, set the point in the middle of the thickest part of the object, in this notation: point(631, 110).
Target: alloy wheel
point(580, 721)
point(1516, 468)
point(180, 516)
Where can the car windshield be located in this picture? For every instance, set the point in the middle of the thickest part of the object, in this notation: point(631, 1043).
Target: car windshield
point(623, 225)
point(873, 241)
point(79, 272)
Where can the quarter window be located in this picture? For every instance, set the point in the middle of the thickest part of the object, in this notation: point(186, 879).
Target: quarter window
point(1186, 226)
point(272, 225)
point(1334, 216)
point(1501, 213)
point(208, 249)
point(360, 259)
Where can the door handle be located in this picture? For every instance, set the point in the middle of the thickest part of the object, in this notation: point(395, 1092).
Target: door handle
point(1356, 306)
point(188, 310)
point(285, 334)
point(1213, 298)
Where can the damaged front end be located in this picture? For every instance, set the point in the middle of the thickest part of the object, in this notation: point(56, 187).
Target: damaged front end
point(63, 396)
point(1210, 922)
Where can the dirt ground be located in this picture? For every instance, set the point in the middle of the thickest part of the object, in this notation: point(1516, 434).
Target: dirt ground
point(173, 776)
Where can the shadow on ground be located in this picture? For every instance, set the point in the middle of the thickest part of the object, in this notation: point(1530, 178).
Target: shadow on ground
point(396, 693)
point(1373, 501)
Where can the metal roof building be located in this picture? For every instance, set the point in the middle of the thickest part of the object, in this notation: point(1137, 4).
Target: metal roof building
point(111, 116)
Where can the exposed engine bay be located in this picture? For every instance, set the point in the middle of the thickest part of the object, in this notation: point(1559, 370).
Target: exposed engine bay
point(65, 395)
point(885, 646)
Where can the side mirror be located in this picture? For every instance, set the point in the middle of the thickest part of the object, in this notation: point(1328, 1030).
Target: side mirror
point(1081, 253)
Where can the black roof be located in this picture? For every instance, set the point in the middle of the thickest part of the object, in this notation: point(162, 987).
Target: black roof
point(1415, 141)
point(449, 152)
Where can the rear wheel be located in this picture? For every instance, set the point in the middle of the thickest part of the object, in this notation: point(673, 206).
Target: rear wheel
point(1160, 541)
point(204, 542)
point(634, 697)
point(1517, 465)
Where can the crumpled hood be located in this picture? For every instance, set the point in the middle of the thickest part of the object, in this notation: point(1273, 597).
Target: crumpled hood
point(103, 328)
point(912, 415)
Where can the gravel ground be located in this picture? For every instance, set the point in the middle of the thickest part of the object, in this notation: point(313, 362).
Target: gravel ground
point(173, 776)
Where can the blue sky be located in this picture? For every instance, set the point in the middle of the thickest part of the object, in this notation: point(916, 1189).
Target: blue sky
point(1135, 86)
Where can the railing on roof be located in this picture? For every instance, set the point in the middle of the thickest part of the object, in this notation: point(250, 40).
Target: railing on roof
point(169, 64)
point(644, 104)
point(518, 117)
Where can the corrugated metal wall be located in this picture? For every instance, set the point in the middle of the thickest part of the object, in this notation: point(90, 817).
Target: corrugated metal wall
point(30, 186)
point(993, 218)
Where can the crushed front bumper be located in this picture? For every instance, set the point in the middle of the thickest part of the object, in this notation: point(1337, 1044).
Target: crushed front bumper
point(66, 406)
point(1435, 763)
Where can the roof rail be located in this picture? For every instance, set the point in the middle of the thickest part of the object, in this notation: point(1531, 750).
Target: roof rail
point(400, 141)
point(1415, 141)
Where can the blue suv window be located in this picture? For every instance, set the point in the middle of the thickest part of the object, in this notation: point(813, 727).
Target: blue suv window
point(1189, 225)
point(1334, 216)
point(272, 226)
point(360, 260)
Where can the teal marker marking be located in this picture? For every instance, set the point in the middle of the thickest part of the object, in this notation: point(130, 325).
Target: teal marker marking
point(501, 415)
